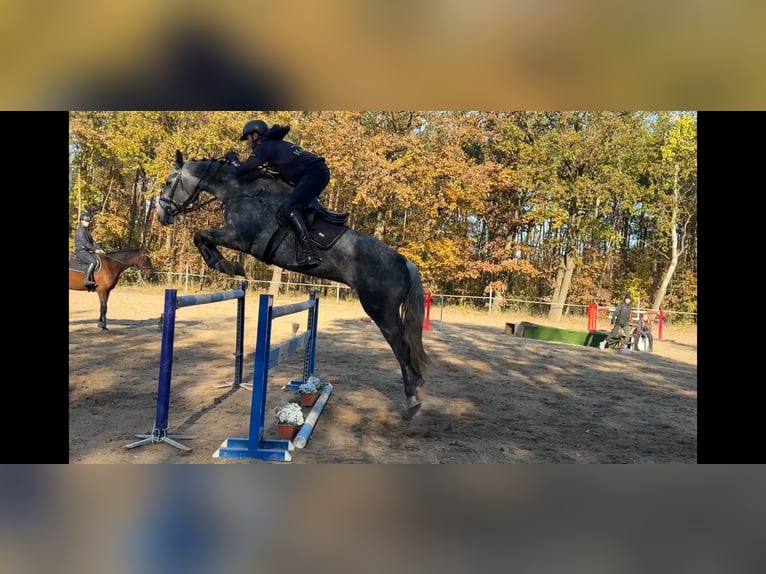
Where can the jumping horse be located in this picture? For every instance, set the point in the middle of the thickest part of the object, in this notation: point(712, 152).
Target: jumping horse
point(388, 285)
point(108, 271)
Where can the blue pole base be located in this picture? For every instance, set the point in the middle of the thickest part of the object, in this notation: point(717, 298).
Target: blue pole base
point(161, 436)
point(266, 449)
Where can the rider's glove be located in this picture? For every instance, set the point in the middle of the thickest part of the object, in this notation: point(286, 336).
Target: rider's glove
point(232, 158)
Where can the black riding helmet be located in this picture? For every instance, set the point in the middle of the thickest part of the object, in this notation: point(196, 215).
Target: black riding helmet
point(257, 126)
point(86, 216)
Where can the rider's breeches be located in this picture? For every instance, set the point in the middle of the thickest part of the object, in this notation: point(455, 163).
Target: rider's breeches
point(310, 186)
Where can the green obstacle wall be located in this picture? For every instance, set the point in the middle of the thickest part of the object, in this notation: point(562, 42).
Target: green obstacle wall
point(572, 336)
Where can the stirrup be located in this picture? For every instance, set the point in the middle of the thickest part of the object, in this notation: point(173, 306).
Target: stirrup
point(309, 261)
point(310, 257)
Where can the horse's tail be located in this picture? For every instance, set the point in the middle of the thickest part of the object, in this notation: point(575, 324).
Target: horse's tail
point(413, 313)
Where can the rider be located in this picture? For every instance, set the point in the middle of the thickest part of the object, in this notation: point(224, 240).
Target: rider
point(644, 329)
point(85, 246)
point(307, 172)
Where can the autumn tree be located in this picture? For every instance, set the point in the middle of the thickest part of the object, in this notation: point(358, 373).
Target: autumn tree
point(674, 182)
point(570, 207)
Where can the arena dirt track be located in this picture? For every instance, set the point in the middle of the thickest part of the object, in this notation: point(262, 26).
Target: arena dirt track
point(492, 398)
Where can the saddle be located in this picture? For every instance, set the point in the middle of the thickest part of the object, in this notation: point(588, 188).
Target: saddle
point(77, 264)
point(316, 209)
point(324, 226)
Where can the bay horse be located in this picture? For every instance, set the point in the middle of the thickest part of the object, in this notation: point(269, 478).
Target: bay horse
point(388, 284)
point(107, 274)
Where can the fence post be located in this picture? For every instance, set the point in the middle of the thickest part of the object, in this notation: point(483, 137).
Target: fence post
point(427, 320)
point(592, 317)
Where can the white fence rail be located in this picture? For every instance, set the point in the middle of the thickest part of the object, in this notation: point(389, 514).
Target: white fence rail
point(440, 302)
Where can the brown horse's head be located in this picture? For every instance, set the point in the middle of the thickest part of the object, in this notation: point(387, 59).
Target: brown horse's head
point(145, 265)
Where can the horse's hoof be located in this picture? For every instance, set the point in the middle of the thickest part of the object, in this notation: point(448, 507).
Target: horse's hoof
point(224, 267)
point(413, 406)
point(231, 268)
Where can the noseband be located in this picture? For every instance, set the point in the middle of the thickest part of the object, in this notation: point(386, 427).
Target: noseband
point(144, 269)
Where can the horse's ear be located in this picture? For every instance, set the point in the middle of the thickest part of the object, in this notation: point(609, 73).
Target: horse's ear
point(179, 159)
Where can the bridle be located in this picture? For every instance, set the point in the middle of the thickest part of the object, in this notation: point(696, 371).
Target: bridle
point(192, 202)
point(144, 264)
point(143, 268)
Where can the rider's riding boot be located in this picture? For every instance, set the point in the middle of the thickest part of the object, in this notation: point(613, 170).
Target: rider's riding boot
point(310, 258)
point(89, 282)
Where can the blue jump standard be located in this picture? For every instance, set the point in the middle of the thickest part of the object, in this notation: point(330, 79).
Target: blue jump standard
point(173, 302)
point(255, 445)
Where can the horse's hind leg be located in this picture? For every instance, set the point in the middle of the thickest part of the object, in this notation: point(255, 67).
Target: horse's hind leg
point(388, 321)
point(413, 381)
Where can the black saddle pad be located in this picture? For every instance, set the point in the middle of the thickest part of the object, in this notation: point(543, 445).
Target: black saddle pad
point(324, 234)
point(77, 264)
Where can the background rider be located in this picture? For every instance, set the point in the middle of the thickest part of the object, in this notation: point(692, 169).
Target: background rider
point(85, 247)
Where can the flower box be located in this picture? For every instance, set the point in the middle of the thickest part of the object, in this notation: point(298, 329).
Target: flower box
point(309, 391)
point(287, 431)
point(308, 399)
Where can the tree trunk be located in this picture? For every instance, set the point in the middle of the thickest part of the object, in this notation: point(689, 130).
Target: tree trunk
point(380, 226)
point(561, 288)
point(675, 251)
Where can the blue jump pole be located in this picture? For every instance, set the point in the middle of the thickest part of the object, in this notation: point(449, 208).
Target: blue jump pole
point(308, 426)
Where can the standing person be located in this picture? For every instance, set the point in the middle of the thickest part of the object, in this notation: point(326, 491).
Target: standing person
point(644, 329)
point(621, 321)
point(85, 247)
point(307, 172)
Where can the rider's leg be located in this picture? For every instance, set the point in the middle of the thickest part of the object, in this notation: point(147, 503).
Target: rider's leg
point(91, 261)
point(310, 258)
point(309, 187)
point(89, 282)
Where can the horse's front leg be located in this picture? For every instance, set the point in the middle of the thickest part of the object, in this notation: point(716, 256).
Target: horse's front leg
point(207, 242)
point(102, 298)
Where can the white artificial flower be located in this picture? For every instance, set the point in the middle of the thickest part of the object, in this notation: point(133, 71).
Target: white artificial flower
point(290, 414)
point(308, 387)
point(312, 385)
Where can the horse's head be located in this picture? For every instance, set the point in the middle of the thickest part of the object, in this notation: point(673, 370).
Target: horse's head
point(183, 186)
point(179, 192)
point(145, 265)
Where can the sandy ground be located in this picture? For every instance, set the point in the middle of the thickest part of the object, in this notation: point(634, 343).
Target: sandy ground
point(491, 397)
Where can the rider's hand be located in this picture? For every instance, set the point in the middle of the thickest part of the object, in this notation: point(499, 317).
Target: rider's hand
point(232, 158)
point(100, 251)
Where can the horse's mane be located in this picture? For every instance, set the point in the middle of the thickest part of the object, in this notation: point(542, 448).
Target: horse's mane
point(123, 251)
point(259, 181)
point(266, 174)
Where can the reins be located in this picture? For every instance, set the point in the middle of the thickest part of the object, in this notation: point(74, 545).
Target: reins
point(141, 266)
